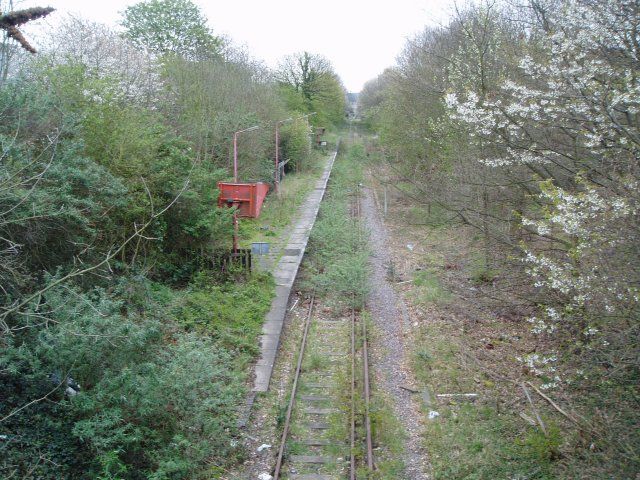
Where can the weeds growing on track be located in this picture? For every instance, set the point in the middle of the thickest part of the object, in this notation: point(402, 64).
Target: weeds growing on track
point(338, 253)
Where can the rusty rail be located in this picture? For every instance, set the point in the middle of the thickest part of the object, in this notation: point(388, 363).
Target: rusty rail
point(294, 388)
point(367, 395)
point(352, 466)
point(366, 390)
point(356, 212)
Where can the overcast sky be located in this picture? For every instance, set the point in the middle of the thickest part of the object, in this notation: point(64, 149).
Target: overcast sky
point(360, 37)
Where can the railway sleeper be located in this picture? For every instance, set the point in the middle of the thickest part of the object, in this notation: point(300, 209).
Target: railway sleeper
point(315, 459)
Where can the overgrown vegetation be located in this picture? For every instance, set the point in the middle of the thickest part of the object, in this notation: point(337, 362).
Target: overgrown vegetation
point(337, 267)
point(520, 122)
point(124, 350)
point(279, 210)
point(337, 246)
point(475, 437)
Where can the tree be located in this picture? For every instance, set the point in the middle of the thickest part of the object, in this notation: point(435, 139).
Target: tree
point(308, 80)
point(373, 96)
point(303, 71)
point(170, 27)
point(571, 116)
point(523, 123)
point(105, 55)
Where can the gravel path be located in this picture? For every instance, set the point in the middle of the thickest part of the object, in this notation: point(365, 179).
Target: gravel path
point(390, 357)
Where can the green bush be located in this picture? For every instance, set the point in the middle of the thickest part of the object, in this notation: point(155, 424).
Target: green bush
point(166, 415)
point(232, 312)
point(154, 401)
point(296, 144)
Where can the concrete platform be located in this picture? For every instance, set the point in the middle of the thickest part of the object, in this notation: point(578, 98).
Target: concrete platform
point(285, 272)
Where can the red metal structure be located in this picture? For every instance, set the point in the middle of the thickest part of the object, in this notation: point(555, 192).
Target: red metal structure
point(247, 197)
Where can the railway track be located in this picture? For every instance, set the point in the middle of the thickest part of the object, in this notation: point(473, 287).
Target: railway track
point(311, 445)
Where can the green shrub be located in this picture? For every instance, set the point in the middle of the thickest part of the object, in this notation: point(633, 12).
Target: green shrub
point(232, 312)
point(154, 401)
point(88, 155)
point(544, 447)
point(430, 290)
point(296, 144)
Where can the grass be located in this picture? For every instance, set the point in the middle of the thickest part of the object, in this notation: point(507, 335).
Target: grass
point(434, 359)
point(389, 436)
point(278, 210)
point(475, 440)
point(338, 244)
point(338, 255)
point(337, 258)
point(315, 362)
point(481, 439)
point(428, 289)
point(470, 440)
point(489, 439)
point(479, 272)
point(434, 216)
point(232, 313)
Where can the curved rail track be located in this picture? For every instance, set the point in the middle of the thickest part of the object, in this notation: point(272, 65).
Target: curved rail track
point(314, 467)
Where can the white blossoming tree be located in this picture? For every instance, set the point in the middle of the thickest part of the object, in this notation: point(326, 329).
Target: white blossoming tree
point(519, 122)
point(570, 115)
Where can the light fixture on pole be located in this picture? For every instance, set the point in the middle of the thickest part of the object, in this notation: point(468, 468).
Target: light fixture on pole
point(307, 117)
point(235, 180)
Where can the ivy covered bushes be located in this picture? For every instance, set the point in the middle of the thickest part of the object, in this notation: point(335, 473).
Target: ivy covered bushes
point(103, 375)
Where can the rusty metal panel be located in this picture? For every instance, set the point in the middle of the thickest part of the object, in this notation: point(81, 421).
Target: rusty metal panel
point(247, 197)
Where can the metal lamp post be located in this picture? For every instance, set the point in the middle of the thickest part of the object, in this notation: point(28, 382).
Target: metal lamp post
point(276, 180)
point(235, 180)
point(307, 117)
